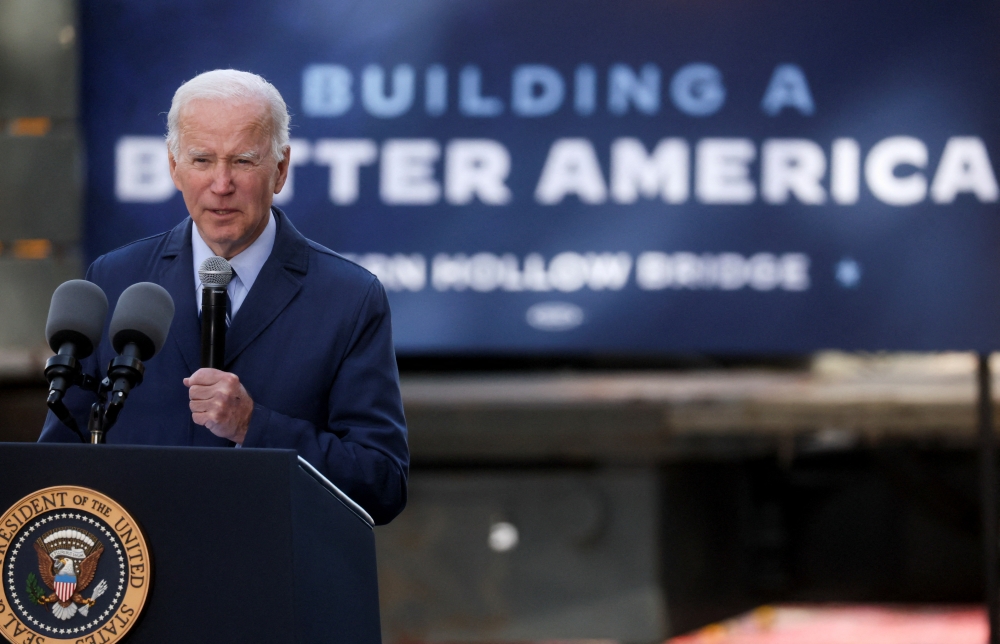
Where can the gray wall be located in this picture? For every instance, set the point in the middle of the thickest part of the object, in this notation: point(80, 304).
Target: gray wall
point(40, 173)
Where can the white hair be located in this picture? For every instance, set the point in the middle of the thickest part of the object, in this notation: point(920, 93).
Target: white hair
point(230, 84)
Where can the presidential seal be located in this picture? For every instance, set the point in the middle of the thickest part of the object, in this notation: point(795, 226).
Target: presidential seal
point(75, 568)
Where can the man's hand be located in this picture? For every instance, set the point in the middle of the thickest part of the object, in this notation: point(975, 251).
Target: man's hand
point(220, 403)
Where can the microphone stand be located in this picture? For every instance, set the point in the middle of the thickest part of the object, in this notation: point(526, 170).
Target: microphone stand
point(124, 373)
point(63, 371)
point(97, 421)
point(95, 424)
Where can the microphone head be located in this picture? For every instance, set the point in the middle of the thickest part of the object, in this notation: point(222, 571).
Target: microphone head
point(76, 315)
point(142, 316)
point(215, 271)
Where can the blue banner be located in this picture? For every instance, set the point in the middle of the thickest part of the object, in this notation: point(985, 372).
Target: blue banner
point(580, 177)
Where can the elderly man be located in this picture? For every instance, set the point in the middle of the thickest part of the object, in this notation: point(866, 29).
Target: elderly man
point(309, 358)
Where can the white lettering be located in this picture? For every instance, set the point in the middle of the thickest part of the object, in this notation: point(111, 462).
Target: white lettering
point(657, 270)
point(345, 158)
point(664, 173)
point(384, 104)
point(535, 278)
point(608, 270)
point(397, 272)
point(722, 172)
point(626, 88)
point(554, 316)
point(571, 168)
point(476, 168)
point(788, 88)
point(326, 90)
point(407, 173)
point(486, 272)
point(697, 89)
point(845, 170)
point(880, 170)
point(965, 167)
point(536, 90)
point(585, 90)
point(450, 272)
point(142, 170)
point(567, 272)
point(471, 102)
point(436, 90)
point(792, 167)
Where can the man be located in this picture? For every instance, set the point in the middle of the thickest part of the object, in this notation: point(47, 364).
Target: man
point(309, 356)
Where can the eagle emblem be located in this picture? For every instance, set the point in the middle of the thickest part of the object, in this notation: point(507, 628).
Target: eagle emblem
point(67, 563)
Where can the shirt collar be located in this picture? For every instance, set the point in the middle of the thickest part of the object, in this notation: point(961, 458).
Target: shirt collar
point(247, 263)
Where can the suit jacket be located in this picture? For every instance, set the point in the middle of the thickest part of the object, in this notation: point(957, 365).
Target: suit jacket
point(312, 345)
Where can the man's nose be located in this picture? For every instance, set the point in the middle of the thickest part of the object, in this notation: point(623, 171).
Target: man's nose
point(222, 178)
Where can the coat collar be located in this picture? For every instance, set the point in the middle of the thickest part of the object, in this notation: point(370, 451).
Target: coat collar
point(276, 285)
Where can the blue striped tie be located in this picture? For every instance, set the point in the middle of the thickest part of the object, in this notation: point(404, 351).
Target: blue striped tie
point(229, 301)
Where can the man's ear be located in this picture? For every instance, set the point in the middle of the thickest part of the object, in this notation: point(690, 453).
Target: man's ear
point(283, 169)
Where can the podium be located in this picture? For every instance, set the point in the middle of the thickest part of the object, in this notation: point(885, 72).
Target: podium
point(245, 545)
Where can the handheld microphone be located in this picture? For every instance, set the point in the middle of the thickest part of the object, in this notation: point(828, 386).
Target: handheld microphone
point(138, 330)
point(215, 274)
point(73, 329)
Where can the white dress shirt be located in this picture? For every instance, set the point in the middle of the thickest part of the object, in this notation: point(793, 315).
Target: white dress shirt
point(247, 264)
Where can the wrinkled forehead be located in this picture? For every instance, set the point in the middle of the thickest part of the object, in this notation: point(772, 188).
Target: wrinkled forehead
point(233, 116)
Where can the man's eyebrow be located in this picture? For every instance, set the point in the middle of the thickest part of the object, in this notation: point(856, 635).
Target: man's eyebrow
point(251, 155)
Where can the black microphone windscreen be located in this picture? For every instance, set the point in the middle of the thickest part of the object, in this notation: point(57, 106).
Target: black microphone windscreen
point(76, 315)
point(143, 316)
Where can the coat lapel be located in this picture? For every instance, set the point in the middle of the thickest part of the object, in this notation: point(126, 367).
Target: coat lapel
point(275, 287)
point(177, 277)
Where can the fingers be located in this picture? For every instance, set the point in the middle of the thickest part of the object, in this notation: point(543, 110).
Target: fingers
point(203, 406)
point(206, 376)
point(219, 402)
point(200, 392)
point(205, 420)
point(216, 407)
point(210, 413)
point(205, 383)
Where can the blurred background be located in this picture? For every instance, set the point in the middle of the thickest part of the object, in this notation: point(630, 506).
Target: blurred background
point(687, 297)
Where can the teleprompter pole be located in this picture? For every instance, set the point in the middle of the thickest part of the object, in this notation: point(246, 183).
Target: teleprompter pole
point(988, 486)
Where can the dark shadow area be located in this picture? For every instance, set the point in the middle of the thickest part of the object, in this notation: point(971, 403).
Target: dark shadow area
point(22, 411)
point(893, 524)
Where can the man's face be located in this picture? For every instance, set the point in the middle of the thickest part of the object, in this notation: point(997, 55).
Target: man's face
point(226, 172)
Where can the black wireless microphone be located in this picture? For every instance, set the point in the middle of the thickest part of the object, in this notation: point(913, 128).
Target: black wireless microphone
point(215, 274)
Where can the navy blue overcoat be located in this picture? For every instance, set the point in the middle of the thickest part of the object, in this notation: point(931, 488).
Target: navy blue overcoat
point(312, 345)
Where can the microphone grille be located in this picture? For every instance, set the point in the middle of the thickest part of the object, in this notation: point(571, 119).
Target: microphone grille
point(215, 271)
